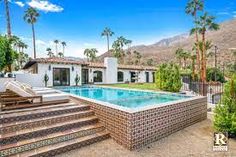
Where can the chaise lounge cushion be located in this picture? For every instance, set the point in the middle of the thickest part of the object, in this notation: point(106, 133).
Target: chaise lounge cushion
point(55, 97)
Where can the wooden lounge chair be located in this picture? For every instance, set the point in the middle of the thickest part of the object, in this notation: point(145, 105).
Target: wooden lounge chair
point(26, 97)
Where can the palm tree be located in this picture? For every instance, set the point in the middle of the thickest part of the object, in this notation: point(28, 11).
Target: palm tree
point(87, 53)
point(138, 57)
point(107, 33)
point(60, 54)
point(205, 23)
point(91, 54)
point(30, 17)
point(192, 8)
point(178, 54)
point(50, 53)
point(193, 59)
point(8, 17)
point(185, 55)
point(63, 47)
point(56, 43)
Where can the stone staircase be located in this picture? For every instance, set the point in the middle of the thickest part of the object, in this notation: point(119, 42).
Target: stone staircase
point(48, 130)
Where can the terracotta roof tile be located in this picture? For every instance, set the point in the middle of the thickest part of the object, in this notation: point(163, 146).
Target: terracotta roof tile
point(87, 64)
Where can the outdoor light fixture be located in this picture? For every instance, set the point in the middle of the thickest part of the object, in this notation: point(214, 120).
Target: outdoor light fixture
point(90, 70)
point(72, 68)
point(49, 67)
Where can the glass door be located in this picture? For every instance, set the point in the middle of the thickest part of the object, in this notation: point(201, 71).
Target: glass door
point(85, 76)
point(61, 76)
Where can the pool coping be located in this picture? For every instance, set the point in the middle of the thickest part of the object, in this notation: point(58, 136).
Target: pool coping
point(138, 109)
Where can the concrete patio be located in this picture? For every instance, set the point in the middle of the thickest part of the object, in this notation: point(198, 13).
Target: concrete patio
point(195, 141)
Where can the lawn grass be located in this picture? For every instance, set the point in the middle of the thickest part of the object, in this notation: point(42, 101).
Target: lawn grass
point(143, 86)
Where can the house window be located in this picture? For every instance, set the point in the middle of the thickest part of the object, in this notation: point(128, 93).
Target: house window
point(97, 76)
point(120, 76)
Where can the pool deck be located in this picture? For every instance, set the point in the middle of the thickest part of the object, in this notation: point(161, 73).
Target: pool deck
point(194, 141)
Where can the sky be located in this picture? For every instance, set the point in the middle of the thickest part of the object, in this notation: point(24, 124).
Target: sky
point(80, 22)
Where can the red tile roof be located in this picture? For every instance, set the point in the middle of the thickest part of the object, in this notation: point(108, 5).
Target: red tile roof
point(55, 60)
point(58, 60)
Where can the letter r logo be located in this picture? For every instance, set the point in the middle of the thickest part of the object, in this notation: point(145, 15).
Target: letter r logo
point(220, 139)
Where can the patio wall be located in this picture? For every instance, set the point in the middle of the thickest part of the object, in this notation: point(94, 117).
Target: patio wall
point(3, 81)
point(135, 130)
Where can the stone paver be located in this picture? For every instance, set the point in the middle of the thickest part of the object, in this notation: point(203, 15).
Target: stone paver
point(194, 141)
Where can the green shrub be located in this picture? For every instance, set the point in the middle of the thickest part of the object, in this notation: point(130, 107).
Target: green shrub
point(211, 72)
point(225, 111)
point(168, 78)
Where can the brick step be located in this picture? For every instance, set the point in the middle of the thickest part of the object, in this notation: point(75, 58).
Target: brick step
point(63, 147)
point(32, 123)
point(47, 140)
point(11, 113)
point(42, 113)
point(24, 134)
point(23, 106)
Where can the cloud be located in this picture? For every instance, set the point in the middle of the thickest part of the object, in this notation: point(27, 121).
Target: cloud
point(19, 3)
point(45, 5)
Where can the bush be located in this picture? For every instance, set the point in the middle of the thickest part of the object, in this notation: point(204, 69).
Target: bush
point(225, 111)
point(211, 75)
point(168, 78)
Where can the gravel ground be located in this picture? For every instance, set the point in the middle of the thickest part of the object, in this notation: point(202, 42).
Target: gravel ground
point(194, 141)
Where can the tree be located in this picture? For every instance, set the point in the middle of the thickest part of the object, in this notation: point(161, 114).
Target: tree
point(185, 55)
point(49, 52)
point(150, 62)
point(60, 54)
point(63, 47)
point(192, 8)
point(56, 44)
point(7, 54)
point(30, 17)
point(168, 78)
point(138, 57)
point(90, 54)
point(214, 74)
point(178, 54)
point(205, 23)
point(107, 33)
point(8, 21)
point(225, 111)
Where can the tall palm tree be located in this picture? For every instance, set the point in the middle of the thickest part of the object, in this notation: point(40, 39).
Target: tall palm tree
point(107, 33)
point(205, 23)
point(63, 47)
point(7, 17)
point(49, 52)
point(56, 44)
point(192, 8)
point(30, 17)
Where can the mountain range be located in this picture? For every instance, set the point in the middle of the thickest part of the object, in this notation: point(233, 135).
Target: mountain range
point(164, 50)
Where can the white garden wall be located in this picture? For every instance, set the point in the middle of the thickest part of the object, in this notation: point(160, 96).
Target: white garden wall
point(3, 81)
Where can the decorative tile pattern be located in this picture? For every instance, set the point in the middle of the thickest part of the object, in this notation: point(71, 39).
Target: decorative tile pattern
point(44, 122)
point(39, 114)
point(45, 131)
point(135, 130)
point(49, 141)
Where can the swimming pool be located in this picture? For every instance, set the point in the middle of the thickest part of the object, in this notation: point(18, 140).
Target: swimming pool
point(122, 97)
point(135, 118)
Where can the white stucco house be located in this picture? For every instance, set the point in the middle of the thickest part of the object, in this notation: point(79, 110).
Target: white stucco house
point(62, 72)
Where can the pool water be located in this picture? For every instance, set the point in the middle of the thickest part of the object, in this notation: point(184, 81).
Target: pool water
point(122, 97)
